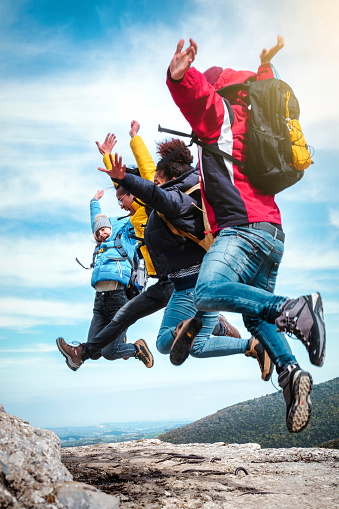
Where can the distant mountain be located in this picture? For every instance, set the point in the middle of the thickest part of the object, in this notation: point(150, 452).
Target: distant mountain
point(262, 420)
point(73, 436)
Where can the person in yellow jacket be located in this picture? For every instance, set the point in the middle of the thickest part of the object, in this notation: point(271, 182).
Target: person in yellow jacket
point(147, 171)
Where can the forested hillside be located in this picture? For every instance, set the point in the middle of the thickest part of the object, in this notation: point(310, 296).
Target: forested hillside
point(262, 420)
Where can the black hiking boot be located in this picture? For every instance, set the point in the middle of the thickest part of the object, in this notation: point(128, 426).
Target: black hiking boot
point(297, 387)
point(185, 334)
point(256, 350)
point(304, 317)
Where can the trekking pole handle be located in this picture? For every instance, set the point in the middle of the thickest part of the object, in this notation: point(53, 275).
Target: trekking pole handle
point(169, 131)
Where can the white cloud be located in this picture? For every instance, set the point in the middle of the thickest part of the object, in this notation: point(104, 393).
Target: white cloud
point(334, 217)
point(34, 348)
point(47, 262)
point(319, 258)
point(16, 313)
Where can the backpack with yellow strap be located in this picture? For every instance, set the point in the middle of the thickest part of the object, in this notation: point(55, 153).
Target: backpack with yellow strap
point(208, 240)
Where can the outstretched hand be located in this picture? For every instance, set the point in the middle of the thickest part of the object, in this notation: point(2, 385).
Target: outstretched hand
point(135, 126)
point(267, 55)
point(98, 195)
point(108, 144)
point(182, 60)
point(118, 170)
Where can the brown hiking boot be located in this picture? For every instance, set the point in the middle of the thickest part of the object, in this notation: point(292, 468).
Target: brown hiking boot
point(185, 334)
point(226, 329)
point(72, 354)
point(143, 353)
point(256, 350)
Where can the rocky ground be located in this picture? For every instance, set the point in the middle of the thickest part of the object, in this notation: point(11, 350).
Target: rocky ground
point(36, 474)
point(156, 475)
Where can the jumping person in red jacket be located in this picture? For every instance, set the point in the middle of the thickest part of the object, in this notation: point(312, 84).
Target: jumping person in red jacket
point(239, 271)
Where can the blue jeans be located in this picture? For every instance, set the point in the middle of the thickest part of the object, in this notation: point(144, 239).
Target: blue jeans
point(181, 307)
point(239, 274)
point(106, 305)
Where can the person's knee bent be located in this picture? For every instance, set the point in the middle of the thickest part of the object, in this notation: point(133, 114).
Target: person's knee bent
point(164, 342)
point(201, 296)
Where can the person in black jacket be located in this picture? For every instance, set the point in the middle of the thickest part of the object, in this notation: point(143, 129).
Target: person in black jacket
point(179, 258)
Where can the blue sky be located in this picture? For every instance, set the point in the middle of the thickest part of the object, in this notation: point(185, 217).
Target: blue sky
point(73, 71)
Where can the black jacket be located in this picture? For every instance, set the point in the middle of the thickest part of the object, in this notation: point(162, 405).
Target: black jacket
point(170, 252)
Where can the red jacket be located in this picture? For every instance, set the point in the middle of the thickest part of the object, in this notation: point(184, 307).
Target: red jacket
point(229, 198)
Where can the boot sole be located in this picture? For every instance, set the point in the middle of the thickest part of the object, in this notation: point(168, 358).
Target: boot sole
point(184, 341)
point(68, 358)
point(300, 411)
point(317, 358)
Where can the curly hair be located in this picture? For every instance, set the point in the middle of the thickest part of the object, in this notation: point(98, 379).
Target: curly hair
point(180, 162)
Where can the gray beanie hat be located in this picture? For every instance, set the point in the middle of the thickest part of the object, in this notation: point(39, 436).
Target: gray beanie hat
point(102, 222)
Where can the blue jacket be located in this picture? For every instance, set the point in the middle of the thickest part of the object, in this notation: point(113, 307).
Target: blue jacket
point(110, 264)
point(170, 252)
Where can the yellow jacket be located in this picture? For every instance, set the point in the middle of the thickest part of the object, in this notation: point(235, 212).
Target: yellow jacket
point(147, 170)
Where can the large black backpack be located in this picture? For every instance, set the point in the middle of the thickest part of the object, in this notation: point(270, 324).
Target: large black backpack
point(270, 164)
point(277, 153)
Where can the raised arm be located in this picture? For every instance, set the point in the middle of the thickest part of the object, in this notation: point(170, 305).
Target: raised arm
point(108, 144)
point(117, 171)
point(135, 126)
point(267, 55)
point(142, 156)
point(95, 207)
point(169, 203)
point(182, 60)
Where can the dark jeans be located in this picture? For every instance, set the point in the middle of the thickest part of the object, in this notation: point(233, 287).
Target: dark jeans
point(151, 300)
point(106, 305)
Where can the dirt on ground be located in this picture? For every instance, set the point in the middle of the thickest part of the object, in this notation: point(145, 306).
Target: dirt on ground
point(154, 475)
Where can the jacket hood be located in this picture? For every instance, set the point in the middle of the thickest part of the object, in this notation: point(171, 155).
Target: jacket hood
point(232, 77)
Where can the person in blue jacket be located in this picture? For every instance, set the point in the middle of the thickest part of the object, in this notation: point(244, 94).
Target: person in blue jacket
point(112, 266)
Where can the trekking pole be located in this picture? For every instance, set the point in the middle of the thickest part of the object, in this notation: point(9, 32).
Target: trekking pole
point(169, 131)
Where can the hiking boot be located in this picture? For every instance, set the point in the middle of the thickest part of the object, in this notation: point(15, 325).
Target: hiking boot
point(143, 353)
point(297, 387)
point(72, 354)
point(224, 328)
point(304, 317)
point(256, 351)
point(184, 334)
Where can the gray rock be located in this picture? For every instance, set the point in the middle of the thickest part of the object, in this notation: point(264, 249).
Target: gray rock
point(74, 495)
point(32, 474)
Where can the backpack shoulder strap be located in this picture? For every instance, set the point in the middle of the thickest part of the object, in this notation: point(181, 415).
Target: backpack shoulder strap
point(204, 243)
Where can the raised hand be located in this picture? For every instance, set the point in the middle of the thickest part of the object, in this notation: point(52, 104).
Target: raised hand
point(108, 144)
point(182, 60)
point(267, 55)
point(98, 195)
point(135, 126)
point(118, 170)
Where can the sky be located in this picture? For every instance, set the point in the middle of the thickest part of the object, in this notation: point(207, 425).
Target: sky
point(70, 73)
